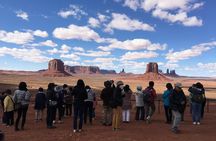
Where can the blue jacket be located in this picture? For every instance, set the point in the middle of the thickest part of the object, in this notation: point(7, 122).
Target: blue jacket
point(166, 97)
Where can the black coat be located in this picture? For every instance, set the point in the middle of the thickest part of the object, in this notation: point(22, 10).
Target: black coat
point(107, 96)
point(118, 97)
point(79, 94)
point(177, 101)
point(40, 101)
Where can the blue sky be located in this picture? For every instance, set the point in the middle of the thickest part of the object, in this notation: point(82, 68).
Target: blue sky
point(111, 34)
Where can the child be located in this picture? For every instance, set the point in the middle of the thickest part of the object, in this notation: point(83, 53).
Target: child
point(40, 102)
point(9, 108)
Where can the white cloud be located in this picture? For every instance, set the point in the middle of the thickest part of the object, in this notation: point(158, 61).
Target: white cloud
point(139, 55)
point(102, 18)
point(210, 67)
point(180, 17)
point(91, 53)
point(94, 22)
point(65, 48)
point(133, 4)
point(30, 55)
point(22, 15)
point(103, 63)
point(70, 56)
point(78, 49)
point(123, 22)
point(135, 44)
point(171, 65)
point(73, 10)
point(40, 33)
point(16, 37)
point(132, 66)
point(76, 32)
point(48, 43)
point(72, 63)
point(188, 53)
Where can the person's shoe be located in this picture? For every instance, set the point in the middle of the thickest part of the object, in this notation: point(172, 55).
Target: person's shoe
point(114, 129)
point(194, 123)
point(60, 121)
point(51, 127)
point(17, 129)
point(74, 131)
point(198, 123)
point(54, 121)
point(80, 130)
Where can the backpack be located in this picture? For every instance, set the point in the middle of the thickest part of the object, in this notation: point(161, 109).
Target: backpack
point(198, 98)
point(147, 95)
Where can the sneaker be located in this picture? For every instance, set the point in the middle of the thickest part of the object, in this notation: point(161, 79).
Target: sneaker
point(80, 130)
point(194, 123)
point(198, 123)
point(60, 121)
point(74, 131)
point(54, 121)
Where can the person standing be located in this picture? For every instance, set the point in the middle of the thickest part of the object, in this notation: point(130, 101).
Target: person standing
point(118, 102)
point(107, 98)
point(9, 108)
point(166, 101)
point(88, 110)
point(21, 99)
point(149, 95)
point(126, 107)
point(68, 102)
point(197, 98)
point(177, 101)
point(80, 95)
point(40, 104)
point(51, 105)
point(140, 111)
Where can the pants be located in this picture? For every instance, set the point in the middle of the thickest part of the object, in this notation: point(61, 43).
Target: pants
point(22, 111)
point(182, 114)
point(39, 114)
point(93, 113)
point(50, 115)
point(176, 119)
point(78, 113)
point(140, 113)
point(107, 117)
point(60, 111)
point(116, 117)
point(88, 110)
point(126, 115)
point(168, 113)
point(149, 109)
point(68, 109)
point(9, 118)
point(196, 111)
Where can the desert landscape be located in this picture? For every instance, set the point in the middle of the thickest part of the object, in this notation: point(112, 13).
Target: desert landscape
point(134, 131)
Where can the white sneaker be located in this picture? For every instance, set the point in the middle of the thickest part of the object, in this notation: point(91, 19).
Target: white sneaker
point(54, 121)
point(194, 123)
point(198, 123)
point(74, 131)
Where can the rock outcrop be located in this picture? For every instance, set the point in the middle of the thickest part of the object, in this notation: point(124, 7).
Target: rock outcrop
point(152, 72)
point(171, 73)
point(55, 69)
point(87, 70)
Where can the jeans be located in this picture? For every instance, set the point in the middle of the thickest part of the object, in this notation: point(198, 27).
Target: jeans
point(88, 110)
point(176, 119)
point(196, 111)
point(78, 113)
point(168, 113)
point(140, 113)
point(68, 109)
point(60, 112)
point(21, 112)
point(149, 109)
point(107, 117)
point(116, 117)
point(39, 114)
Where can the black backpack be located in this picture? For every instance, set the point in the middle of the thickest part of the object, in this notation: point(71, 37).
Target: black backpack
point(147, 95)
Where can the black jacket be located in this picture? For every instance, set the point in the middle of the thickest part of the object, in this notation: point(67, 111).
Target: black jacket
point(40, 101)
point(118, 97)
point(107, 96)
point(177, 101)
point(79, 94)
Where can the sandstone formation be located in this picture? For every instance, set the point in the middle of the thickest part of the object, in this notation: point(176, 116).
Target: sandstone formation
point(55, 69)
point(152, 72)
point(171, 73)
point(102, 71)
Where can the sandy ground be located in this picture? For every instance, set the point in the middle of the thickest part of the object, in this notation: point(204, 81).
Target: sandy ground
point(134, 131)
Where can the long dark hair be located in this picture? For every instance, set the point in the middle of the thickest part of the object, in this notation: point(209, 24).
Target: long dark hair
point(80, 83)
point(51, 86)
point(126, 88)
point(23, 86)
point(169, 86)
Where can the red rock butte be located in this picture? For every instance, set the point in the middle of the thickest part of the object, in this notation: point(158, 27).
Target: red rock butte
point(55, 69)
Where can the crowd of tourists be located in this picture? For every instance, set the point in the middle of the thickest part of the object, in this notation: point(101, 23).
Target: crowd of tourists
point(60, 101)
